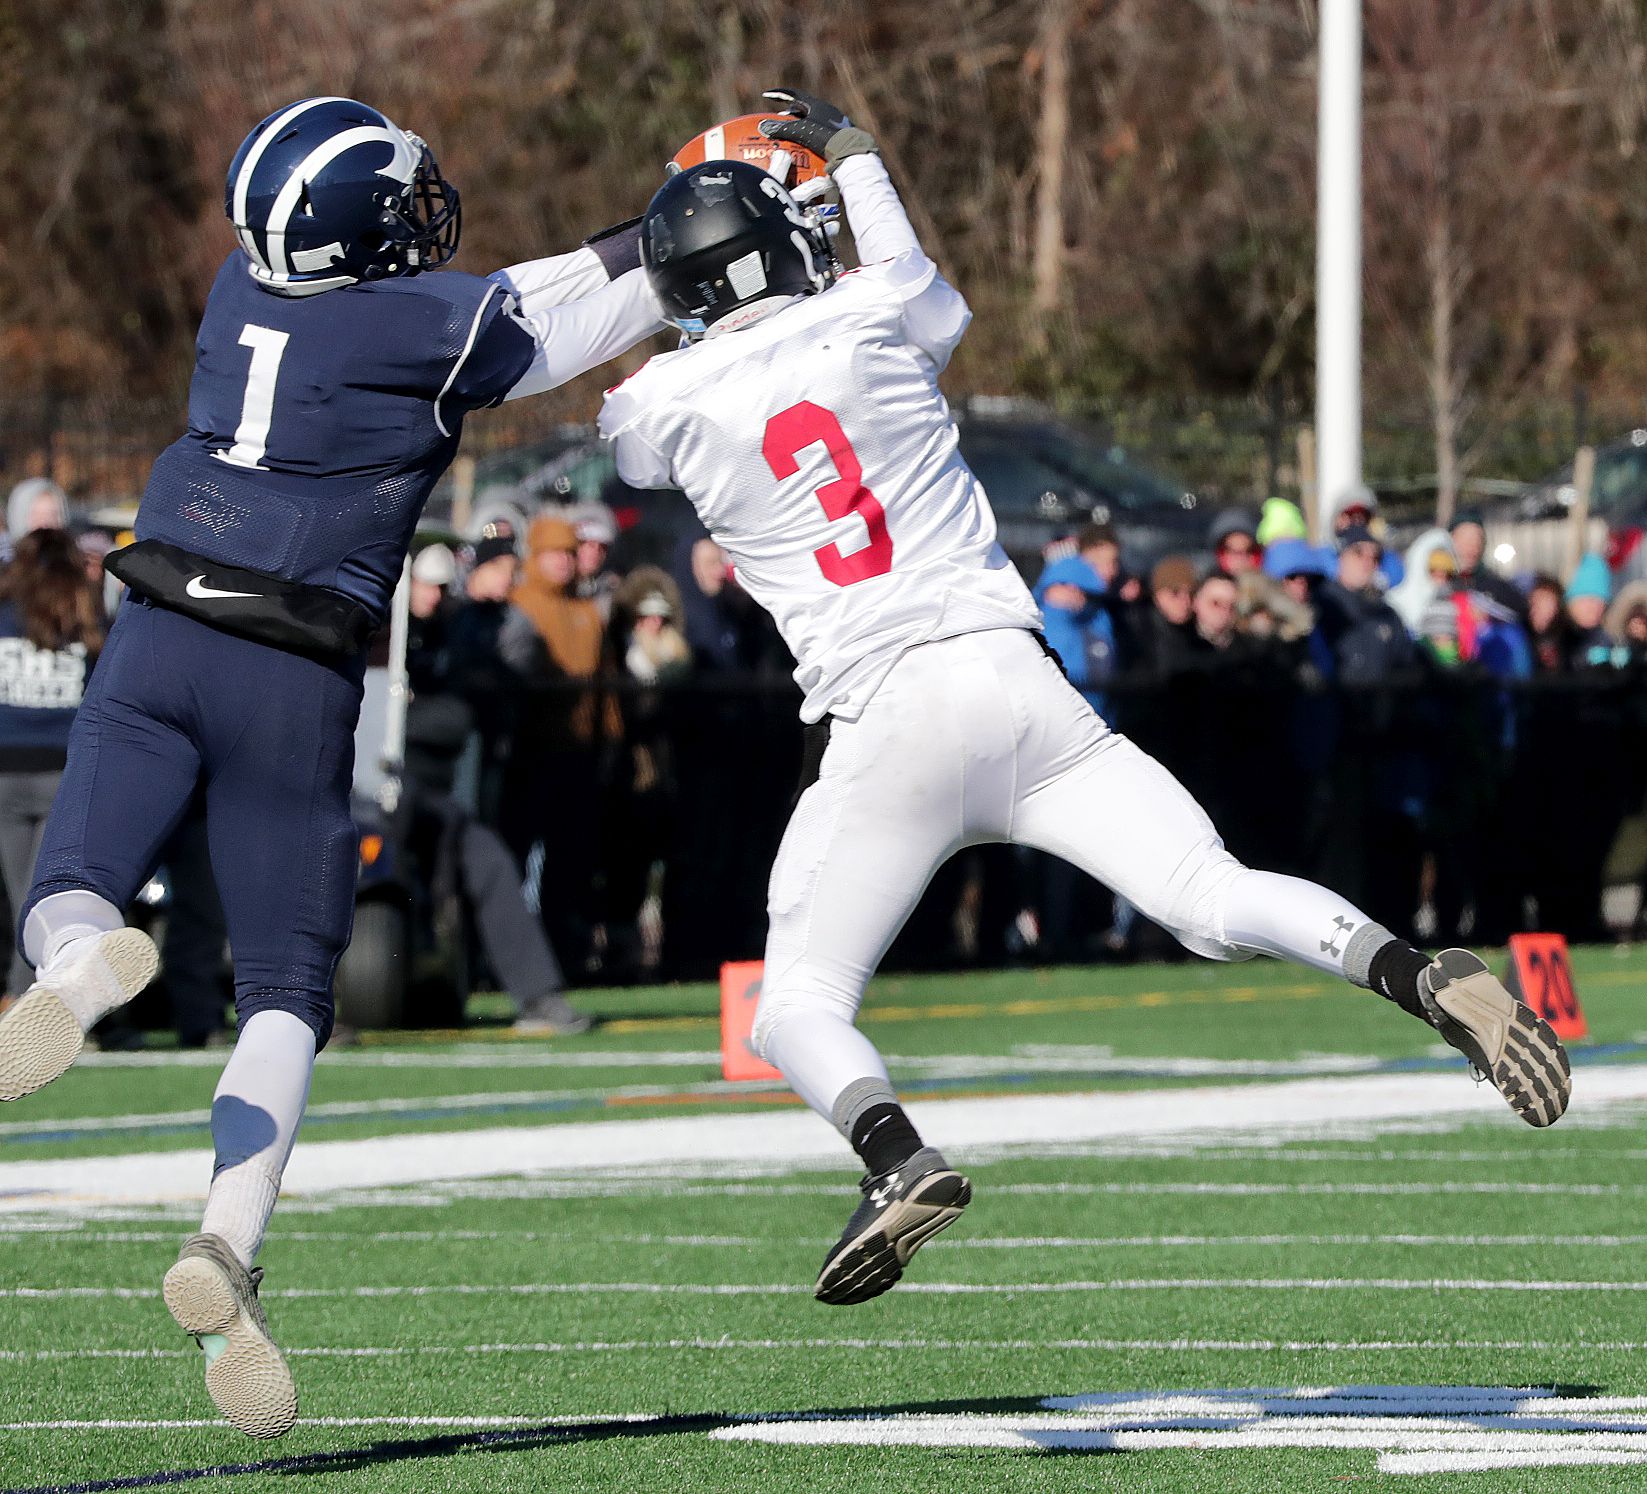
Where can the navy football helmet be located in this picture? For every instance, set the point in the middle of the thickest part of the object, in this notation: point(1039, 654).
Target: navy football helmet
point(723, 235)
point(327, 192)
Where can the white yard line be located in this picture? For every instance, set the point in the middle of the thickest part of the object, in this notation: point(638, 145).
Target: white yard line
point(73, 1232)
point(886, 1345)
point(796, 1139)
point(929, 1288)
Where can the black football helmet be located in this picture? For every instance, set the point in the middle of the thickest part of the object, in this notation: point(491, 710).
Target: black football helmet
point(723, 235)
point(328, 191)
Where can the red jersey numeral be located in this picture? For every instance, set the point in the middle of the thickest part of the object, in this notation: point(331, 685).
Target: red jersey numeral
point(790, 432)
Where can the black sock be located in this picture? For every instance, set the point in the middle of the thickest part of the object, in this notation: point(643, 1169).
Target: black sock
point(884, 1138)
point(1394, 972)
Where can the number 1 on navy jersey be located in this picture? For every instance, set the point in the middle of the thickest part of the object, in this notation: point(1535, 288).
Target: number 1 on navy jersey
point(251, 437)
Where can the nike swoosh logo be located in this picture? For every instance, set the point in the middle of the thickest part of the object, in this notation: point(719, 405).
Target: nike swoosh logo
point(198, 588)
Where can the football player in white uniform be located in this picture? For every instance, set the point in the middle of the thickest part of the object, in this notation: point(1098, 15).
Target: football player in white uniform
point(803, 419)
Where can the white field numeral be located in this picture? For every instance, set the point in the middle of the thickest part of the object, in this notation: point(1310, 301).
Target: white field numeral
point(257, 409)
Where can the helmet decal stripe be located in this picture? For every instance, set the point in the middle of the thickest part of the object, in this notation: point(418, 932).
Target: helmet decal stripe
point(327, 151)
point(243, 182)
point(714, 143)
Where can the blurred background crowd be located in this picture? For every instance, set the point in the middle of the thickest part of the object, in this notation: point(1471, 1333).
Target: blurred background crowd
point(601, 746)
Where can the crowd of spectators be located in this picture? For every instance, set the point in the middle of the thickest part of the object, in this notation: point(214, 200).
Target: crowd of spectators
point(1346, 712)
point(1385, 693)
point(545, 658)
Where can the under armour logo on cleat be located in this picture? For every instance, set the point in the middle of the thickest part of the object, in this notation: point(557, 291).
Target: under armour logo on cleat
point(1341, 926)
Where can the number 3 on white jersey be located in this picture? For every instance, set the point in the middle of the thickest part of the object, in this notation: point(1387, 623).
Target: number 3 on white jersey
point(790, 432)
point(251, 437)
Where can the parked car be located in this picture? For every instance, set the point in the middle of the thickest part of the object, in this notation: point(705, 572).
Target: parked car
point(1045, 476)
point(1527, 528)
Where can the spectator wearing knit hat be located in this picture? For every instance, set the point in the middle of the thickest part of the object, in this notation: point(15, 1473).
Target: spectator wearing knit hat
point(1587, 596)
point(1155, 631)
point(1365, 635)
point(1281, 520)
point(1359, 510)
point(1627, 623)
point(1234, 540)
point(596, 528)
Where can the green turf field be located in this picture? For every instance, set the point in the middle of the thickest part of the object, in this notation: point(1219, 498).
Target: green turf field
point(1203, 1290)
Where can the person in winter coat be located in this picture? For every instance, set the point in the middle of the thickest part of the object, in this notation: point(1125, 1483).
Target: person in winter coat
point(51, 629)
point(1548, 630)
point(1627, 622)
point(1078, 629)
point(1588, 593)
point(1431, 568)
point(1369, 643)
point(562, 736)
point(1468, 533)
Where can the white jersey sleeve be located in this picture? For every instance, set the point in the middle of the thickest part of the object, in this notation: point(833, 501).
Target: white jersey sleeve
point(640, 464)
point(577, 318)
point(541, 283)
point(935, 313)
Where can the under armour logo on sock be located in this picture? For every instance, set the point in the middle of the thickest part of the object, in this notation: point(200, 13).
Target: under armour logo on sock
point(1341, 926)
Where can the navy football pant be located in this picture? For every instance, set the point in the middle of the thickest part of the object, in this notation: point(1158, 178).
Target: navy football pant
point(174, 705)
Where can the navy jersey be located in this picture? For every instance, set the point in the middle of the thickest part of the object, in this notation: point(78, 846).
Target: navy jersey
point(40, 690)
point(319, 424)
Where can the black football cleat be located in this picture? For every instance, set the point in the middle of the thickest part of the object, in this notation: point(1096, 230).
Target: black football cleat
point(901, 1210)
point(1504, 1039)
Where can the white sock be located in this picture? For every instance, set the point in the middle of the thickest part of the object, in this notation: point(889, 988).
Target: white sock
point(1291, 919)
point(821, 1054)
point(255, 1116)
point(60, 919)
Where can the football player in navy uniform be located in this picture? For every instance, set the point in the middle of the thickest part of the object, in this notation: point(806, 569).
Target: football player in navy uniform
point(333, 374)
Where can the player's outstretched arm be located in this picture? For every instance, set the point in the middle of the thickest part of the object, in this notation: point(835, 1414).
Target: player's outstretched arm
point(538, 284)
point(575, 336)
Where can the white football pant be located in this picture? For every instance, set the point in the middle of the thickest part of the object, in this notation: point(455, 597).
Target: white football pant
point(981, 738)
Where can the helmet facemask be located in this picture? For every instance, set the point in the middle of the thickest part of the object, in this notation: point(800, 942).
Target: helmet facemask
point(424, 219)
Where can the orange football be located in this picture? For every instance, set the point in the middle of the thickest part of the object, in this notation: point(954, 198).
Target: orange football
point(740, 139)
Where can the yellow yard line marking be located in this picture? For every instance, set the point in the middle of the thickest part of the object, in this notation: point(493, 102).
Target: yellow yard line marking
point(960, 1011)
point(1028, 1007)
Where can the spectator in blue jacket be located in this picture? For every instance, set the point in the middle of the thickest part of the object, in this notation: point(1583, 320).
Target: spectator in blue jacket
point(1078, 629)
point(51, 628)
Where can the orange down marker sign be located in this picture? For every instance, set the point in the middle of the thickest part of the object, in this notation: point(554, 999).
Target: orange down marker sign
point(1542, 975)
point(740, 995)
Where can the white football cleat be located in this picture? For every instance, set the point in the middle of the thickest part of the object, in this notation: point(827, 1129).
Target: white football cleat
point(214, 1297)
point(40, 1036)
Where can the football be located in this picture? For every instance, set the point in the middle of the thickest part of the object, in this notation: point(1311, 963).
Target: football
point(740, 139)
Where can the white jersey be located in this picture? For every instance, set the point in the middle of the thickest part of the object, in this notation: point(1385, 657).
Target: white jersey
point(819, 453)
